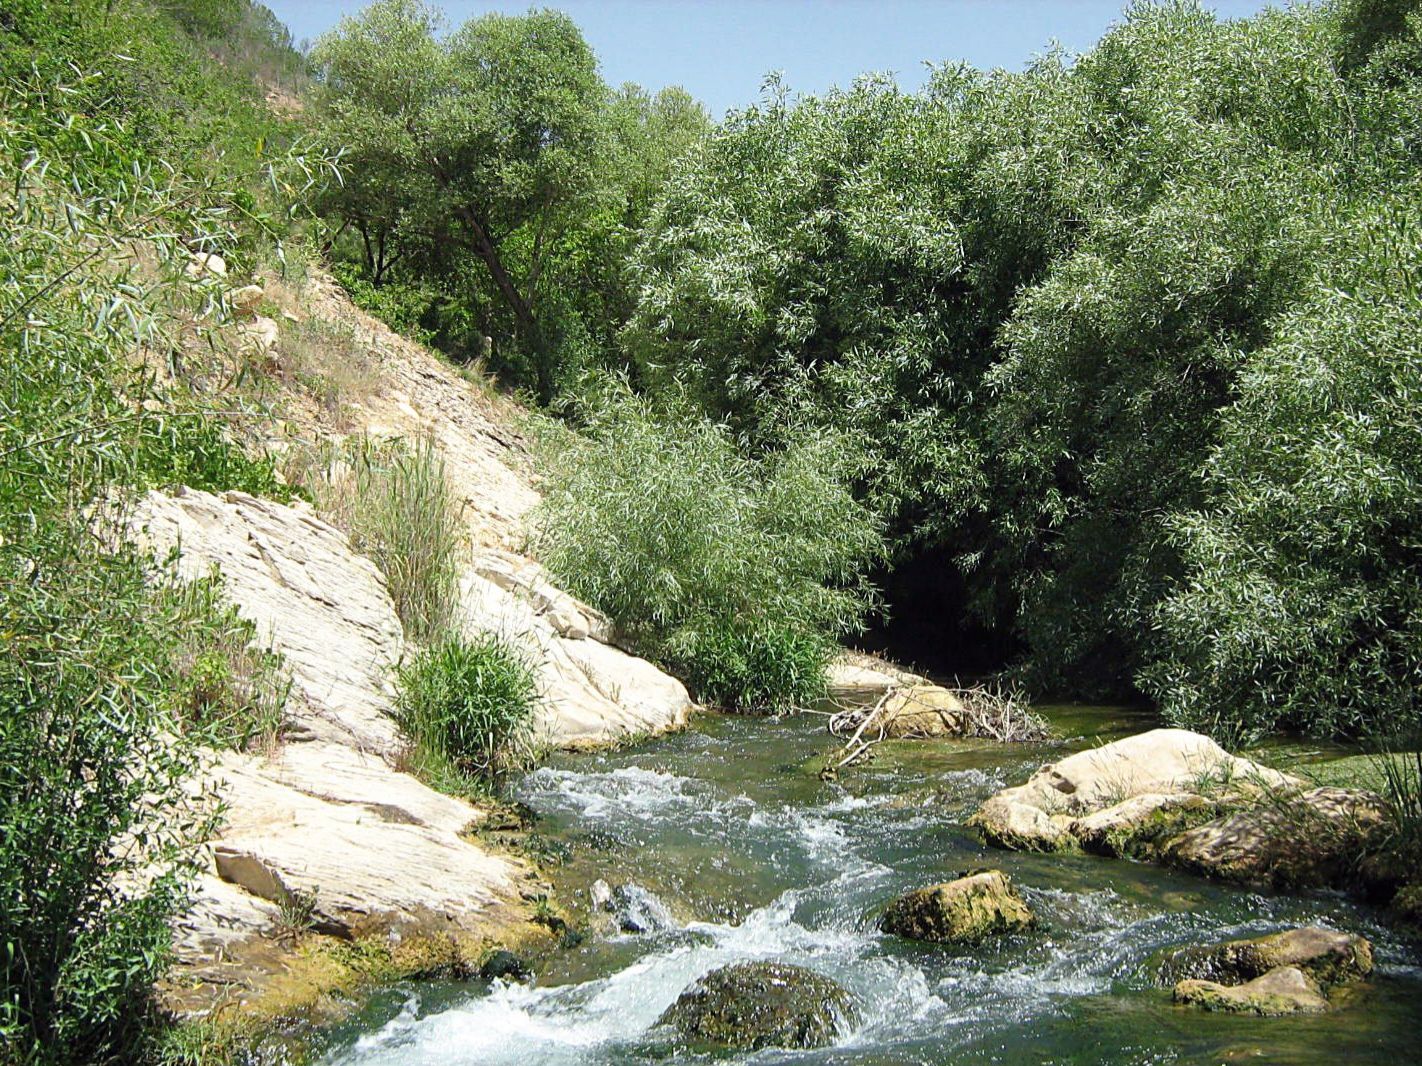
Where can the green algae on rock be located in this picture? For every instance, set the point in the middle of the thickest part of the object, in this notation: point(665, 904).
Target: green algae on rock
point(1326, 956)
point(1285, 990)
point(966, 911)
point(754, 1005)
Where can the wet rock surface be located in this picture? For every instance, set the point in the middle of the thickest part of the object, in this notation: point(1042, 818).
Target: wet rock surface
point(966, 911)
point(1286, 990)
point(1327, 956)
point(755, 1005)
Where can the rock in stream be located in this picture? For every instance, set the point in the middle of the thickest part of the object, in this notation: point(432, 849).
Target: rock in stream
point(754, 1005)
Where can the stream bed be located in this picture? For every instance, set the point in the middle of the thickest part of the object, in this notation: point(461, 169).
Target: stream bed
point(723, 845)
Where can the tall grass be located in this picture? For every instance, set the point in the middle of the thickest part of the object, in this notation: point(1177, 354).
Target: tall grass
point(467, 707)
point(228, 690)
point(392, 498)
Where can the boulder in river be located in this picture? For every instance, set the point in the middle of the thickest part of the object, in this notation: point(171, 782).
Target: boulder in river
point(1310, 838)
point(1328, 957)
point(1285, 990)
point(752, 1005)
point(966, 911)
point(1051, 811)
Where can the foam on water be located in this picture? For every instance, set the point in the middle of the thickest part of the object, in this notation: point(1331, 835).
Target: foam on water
point(610, 1018)
point(827, 861)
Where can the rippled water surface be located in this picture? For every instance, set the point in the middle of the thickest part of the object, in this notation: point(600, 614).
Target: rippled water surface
point(725, 846)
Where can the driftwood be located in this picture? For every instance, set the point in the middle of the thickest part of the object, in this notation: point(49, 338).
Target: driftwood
point(986, 712)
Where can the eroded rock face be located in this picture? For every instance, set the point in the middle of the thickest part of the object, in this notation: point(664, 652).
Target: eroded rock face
point(966, 911)
point(1110, 797)
point(1328, 957)
point(326, 819)
point(592, 693)
point(754, 1005)
point(1286, 990)
point(326, 609)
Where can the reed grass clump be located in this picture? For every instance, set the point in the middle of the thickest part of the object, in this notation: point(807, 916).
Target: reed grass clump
point(392, 498)
point(467, 705)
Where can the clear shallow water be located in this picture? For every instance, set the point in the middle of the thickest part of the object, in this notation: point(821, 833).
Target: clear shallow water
point(734, 850)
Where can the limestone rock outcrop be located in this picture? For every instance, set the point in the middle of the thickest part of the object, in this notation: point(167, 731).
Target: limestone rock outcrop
point(1105, 796)
point(591, 692)
point(1301, 838)
point(324, 608)
point(326, 821)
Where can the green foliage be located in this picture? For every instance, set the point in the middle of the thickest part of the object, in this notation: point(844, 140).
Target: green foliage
point(715, 562)
point(756, 664)
point(1302, 606)
point(393, 500)
point(495, 179)
point(227, 692)
point(467, 706)
point(1109, 335)
point(94, 812)
point(110, 676)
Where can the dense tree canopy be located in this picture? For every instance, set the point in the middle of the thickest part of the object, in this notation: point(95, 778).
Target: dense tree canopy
point(498, 145)
point(1062, 310)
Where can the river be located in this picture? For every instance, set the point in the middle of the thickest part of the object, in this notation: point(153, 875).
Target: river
point(724, 845)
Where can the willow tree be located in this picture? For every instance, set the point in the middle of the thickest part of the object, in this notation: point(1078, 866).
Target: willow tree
point(490, 131)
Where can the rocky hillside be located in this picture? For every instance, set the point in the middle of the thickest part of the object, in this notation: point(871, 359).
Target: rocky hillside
point(326, 822)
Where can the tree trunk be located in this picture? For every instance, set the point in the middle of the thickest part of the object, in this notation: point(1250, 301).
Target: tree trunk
point(523, 313)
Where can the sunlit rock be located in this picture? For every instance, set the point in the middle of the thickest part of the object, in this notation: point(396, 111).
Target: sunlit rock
point(966, 911)
point(1286, 990)
point(1327, 956)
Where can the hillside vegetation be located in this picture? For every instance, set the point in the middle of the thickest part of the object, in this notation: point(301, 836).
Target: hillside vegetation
point(1128, 343)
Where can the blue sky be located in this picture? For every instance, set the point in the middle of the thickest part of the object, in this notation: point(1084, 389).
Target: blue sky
point(721, 50)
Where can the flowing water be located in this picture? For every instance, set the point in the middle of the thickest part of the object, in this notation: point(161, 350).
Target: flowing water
point(723, 845)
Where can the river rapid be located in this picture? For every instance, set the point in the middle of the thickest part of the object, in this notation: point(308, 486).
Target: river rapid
point(723, 845)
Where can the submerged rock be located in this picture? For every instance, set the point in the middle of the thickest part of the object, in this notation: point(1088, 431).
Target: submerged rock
point(1328, 957)
point(502, 965)
point(753, 1005)
point(1285, 990)
point(966, 911)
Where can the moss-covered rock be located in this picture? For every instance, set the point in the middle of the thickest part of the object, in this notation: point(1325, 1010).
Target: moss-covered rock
point(1326, 956)
point(1135, 826)
point(1306, 839)
point(966, 911)
point(753, 1005)
point(1407, 904)
point(1286, 990)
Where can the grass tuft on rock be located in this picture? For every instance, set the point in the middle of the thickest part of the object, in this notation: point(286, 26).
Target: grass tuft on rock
point(467, 706)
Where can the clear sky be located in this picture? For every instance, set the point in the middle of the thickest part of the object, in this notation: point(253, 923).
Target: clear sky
point(721, 50)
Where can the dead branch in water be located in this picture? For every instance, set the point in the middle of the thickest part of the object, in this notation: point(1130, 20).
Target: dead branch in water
point(988, 712)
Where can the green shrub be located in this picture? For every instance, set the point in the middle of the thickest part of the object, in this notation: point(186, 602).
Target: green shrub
point(467, 707)
point(99, 827)
point(394, 502)
point(109, 679)
point(754, 665)
point(713, 562)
